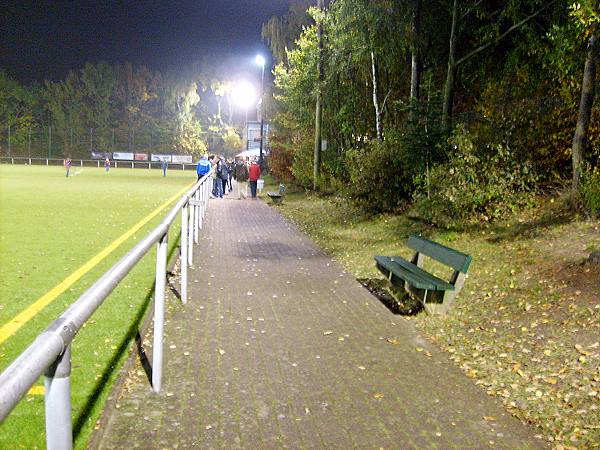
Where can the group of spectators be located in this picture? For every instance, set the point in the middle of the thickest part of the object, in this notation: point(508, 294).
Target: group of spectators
point(225, 171)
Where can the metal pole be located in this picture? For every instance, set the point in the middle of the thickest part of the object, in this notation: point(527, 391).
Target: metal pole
point(57, 388)
point(159, 311)
point(262, 115)
point(29, 144)
point(191, 236)
point(49, 142)
point(9, 140)
point(198, 222)
point(184, 251)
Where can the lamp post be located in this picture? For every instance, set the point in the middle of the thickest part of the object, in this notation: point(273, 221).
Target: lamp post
point(260, 60)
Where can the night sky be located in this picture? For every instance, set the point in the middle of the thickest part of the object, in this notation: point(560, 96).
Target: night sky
point(44, 39)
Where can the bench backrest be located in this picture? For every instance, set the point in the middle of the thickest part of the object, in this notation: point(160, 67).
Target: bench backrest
point(281, 189)
point(450, 257)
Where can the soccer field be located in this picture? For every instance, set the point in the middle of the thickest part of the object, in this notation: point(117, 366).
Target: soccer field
point(50, 226)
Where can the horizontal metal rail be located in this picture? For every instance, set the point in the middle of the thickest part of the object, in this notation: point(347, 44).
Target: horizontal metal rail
point(49, 353)
point(91, 163)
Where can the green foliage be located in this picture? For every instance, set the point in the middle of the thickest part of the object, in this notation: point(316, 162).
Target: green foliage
point(590, 191)
point(379, 177)
point(476, 184)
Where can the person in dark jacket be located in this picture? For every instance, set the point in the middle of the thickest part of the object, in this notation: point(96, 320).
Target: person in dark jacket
point(230, 167)
point(240, 174)
point(223, 174)
point(253, 176)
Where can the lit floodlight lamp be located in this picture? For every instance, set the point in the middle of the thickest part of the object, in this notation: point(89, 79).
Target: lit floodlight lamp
point(260, 60)
point(244, 94)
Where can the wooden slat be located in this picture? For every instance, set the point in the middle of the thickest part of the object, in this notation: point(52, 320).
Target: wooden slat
point(407, 271)
point(448, 256)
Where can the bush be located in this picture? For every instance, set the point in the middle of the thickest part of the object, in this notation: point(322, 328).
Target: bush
point(472, 188)
point(590, 191)
point(378, 177)
point(280, 161)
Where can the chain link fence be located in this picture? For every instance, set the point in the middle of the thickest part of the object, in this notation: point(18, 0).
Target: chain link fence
point(50, 142)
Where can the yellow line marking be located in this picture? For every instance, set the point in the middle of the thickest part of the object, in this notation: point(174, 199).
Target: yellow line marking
point(36, 390)
point(23, 317)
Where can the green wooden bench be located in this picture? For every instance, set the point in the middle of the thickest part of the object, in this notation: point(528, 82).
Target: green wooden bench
point(277, 197)
point(435, 293)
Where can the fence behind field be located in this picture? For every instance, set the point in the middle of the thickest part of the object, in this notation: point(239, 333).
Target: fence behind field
point(20, 160)
point(50, 352)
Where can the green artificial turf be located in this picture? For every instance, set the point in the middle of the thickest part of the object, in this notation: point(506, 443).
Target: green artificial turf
point(50, 226)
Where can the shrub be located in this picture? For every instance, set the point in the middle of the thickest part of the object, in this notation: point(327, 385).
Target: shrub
point(280, 161)
point(472, 187)
point(590, 191)
point(378, 179)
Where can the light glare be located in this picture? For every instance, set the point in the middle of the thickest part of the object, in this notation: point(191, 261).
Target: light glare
point(244, 94)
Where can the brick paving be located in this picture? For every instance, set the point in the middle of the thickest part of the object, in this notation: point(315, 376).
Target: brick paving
point(279, 347)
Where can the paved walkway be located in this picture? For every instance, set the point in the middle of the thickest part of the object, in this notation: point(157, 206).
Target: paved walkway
point(279, 347)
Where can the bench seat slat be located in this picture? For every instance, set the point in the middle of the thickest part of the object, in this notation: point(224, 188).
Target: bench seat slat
point(416, 276)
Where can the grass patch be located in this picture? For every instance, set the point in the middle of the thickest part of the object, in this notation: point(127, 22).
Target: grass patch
point(51, 226)
point(526, 326)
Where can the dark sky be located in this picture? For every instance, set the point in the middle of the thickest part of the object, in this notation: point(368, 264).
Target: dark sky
point(44, 39)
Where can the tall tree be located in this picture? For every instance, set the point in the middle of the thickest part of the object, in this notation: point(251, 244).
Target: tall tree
point(318, 110)
point(415, 72)
point(590, 19)
point(282, 32)
point(498, 31)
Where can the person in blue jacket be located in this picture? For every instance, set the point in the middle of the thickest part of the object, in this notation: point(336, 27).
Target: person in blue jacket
point(203, 166)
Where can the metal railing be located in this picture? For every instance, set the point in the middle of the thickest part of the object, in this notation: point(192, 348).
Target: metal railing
point(50, 352)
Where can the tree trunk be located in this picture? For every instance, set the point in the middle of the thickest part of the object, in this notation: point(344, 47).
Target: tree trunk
point(585, 110)
point(415, 63)
point(318, 111)
point(451, 75)
point(376, 98)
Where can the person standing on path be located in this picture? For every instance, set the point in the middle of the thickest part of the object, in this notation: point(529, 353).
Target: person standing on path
point(253, 176)
point(240, 173)
point(107, 164)
point(218, 174)
point(224, 176)
point(230, 167)
point(214, 162)
point(164, 165)
point(203, 166)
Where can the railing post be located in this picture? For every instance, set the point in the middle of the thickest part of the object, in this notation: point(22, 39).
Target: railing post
point(198, 222)
point(191, 235)
point(206, 197)
point(184, 251)
point(57, 391)
point(159, 311)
